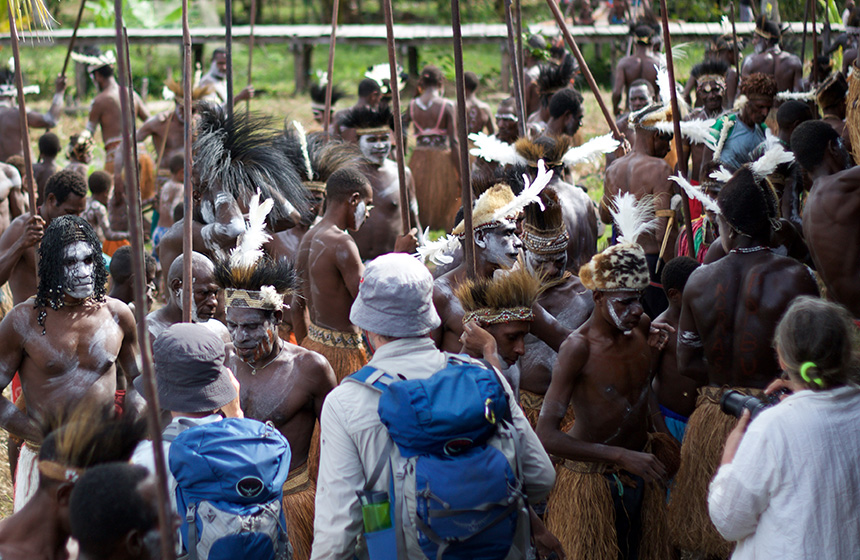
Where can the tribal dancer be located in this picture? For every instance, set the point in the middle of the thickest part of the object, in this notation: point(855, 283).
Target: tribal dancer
point(552, 78)
point(609, 497)
point(280, 383)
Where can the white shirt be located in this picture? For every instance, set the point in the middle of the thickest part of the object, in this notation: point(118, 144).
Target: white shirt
point(352, 439)
point(793, 488)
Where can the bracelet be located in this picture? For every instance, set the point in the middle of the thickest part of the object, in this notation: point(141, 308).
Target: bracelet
point(57, 99)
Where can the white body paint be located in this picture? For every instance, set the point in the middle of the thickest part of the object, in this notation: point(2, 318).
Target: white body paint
point(78, 269)
point(360, 214)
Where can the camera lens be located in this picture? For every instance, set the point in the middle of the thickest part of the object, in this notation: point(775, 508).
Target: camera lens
point(734, 403)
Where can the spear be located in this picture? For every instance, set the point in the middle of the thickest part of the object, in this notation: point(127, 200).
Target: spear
point(330, 82)
point(814, 43)
point(735, 41)
point(517, 71)
point(803, 42)
point(228, 24)
point(251, 50)
point(398, 120)
point(139, 272)
point(187, 222)
point(74, 36)
point(587, 73)
point(676, 121)
point(22, 111)
point(462, 130)
point(520, 59)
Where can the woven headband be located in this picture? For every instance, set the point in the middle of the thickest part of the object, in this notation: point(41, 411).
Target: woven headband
point(251, 299)
point(488, 316)
point(368, 131)
point(546, 244)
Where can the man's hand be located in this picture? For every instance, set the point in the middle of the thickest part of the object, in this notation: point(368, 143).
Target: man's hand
point(735, 437)
point(245, 94)
point(479, 343)
point(645, 465)
point(658, 336)
point(546, 543)
point(33, 233)
point(233, 409)
point(407, 243)
point(60, 84)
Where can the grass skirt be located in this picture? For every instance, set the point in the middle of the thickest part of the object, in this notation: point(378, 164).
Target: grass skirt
point(437, 187)
point(344, 351)
point(701, 453)
point(299, 494)
point(531, 404)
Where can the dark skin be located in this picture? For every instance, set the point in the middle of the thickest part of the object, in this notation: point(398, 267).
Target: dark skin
point(569, 302)
point(581, 221)
point(427, 119)
point(783, 66)
point(330, 268)
point(566, 124)
point(65, 366)
point(281, 383)
point(169, 125)
point(673, 390)
point(479, 116)
point(711, 93)
point(643, 172)
point(506, 119)
point(604, 372)
point(754, 113)
point(732, 306)
point(170, 246)
point(731, 85)
point(124, 289)
point(349, 134)
point(10, 124)
point(638, 97)
point(42, 171)
point(40, 531)
point(12, 200)
point(829, 219)
point(286, 243)
point(18, 243)
point(639, 65)
point(105, 111)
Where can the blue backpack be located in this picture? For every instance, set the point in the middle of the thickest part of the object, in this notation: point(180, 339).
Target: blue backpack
point(229, 478)
point(456, 490)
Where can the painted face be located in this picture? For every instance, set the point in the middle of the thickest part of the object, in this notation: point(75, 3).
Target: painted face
point(625, 309)
point(362, 211)
point(507, 121)
point(78, 270)
point(638, 98)
point(253, 332)
point(711, 92)
point(552, 266)
point(500, 245)
point(375, 147)
point(510, 339)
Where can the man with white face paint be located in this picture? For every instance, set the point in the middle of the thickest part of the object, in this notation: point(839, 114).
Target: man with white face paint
point(611, 461)
point(65, 343)
point(769, 58)
point(205, 292)
point(384, 226)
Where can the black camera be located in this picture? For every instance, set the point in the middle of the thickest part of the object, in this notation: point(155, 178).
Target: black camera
point(734, 403)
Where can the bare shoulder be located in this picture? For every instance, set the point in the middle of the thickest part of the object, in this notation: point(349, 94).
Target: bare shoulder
point(310, 363)
point(120, 311)
point(574, 349)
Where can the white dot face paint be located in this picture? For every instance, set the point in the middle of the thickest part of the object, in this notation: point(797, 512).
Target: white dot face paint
point(501, 245)
point(360, 214)
point(627, 320)
point(375, 147)
point(78, 270)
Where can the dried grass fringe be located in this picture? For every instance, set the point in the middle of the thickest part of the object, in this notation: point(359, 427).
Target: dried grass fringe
point(299, 513)
point(344, 361)
point(852, 120)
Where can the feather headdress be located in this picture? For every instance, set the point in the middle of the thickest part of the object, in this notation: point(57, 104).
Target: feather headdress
point(695, 192)
point(367, 120)
point(438, 252)
point(381, 74)
point(504, 298)
point(177, 91)
point(7, 90)
point(553, 77)
point(28, 14)
point(591, 150)
point(530, 194)
point(95, 62)
point(633, 217)
point(721, 175)
point(491, 148)
point(316, 155)
point(239, 155)
point(697, 131)
point(249, 277)
point(544, 230)
point(795, 95)
point(317, 93)
point(774, 156)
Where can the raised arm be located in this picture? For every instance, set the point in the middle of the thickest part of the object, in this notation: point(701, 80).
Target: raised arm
point(49, 119)
point(19, 236)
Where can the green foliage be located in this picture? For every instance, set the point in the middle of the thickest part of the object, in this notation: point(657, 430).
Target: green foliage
point(136, 13)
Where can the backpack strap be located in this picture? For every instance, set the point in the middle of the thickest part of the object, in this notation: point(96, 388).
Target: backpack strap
point(376, 379)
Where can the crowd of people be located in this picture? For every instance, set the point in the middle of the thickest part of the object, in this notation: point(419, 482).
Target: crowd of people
point(693, 386)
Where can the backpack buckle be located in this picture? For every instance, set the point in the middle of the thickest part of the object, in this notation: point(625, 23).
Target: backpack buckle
point(489, 414)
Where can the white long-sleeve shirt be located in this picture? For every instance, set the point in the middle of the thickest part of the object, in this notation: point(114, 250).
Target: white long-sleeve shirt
point(352, 439)
point(792, 490)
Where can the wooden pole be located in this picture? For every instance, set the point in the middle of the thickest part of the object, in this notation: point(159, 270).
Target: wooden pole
point(330, 83)
point(163, 147)
point(462, 131)
point(583, 66)
point(187, 222)
point(228, 17)
point(22, 113)
point(132, 191)
point(521, 62)
point(74, 36)
point(803, 41)
point(676, 120)
point(398, 120)
point(251, 49)
point(814, 42)
point(735, 41)
point(516, 71)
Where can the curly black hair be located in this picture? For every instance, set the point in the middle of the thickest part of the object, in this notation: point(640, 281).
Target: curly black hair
point(677, 272)
point(750, 207)
point(63, 231)
point(367, 117)
point(64, 183)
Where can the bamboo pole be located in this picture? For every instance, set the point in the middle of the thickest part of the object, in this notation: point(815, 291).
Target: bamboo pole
point(22, 113)
point(398, 118)
point(228, 21)
point(583, 66)
point(187, 222)
point(251, 50)
point(516, 71)
point(521, 62)
point(132, 191)
point(814, 41)
point(803, 41)
point(462, 130)
point(736, 47)
point(330, 82)
point(676, 120)
point(74, 36)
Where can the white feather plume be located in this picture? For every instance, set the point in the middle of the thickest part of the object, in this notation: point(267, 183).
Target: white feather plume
point(725, 25)
point(271, 297)
point(591, 150)
point(530, 193)
point(722, 175)
point(796, 95)
point(696, 193)
point(633, 217)
point(491, 148)
point(303, 140)
point(438, 252)
point(696, 131)
point(774, 156)
point(250, 248)
point(663, 84)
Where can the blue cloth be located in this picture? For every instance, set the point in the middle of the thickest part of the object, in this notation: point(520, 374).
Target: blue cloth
point(676, 423)
point(742, 140)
